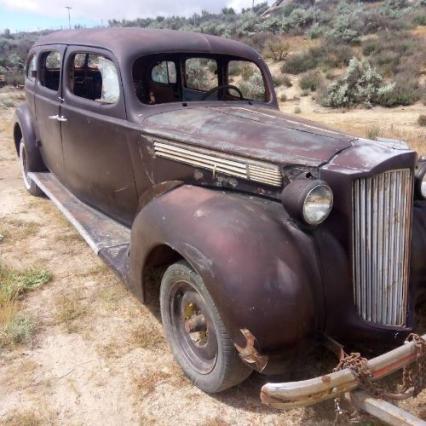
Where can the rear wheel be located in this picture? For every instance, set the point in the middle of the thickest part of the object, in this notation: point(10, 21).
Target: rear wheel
point(196, 333)
point(29, 184)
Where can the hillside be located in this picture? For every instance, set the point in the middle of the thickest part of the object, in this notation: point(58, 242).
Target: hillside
point(344, 53)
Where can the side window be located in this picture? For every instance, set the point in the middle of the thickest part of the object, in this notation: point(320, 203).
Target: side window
point(94, 77)
point(164, 73)
point(50, 69)
point(31, 67)
point(201, 74)
point(248, 78)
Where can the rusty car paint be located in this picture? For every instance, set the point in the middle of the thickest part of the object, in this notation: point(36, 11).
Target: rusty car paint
point(266, 272)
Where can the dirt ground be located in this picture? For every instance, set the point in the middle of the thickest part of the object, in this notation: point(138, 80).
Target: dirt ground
point(97, 356)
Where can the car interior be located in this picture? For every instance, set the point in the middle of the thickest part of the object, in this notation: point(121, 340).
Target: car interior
point(183, 78)
point(50, 69)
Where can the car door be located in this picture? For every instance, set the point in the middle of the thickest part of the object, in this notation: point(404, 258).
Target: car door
point(48, 107)
point(95, 136)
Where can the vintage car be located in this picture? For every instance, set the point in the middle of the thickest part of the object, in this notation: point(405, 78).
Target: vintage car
point(168, 150)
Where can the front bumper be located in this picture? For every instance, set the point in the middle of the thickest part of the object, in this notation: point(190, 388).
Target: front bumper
point(308, 392)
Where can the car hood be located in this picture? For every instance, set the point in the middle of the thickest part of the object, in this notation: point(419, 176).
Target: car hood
point(258, 133)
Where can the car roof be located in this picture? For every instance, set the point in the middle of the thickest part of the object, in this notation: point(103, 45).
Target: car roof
point(129, 42)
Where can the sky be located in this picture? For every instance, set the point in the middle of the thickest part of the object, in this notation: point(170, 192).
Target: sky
point(27, 15)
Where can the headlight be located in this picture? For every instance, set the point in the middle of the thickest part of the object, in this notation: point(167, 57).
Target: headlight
point(309, 201)
point(318, 204)
point(420, 184)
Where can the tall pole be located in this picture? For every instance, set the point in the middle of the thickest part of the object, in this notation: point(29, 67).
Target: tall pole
point(69, 15)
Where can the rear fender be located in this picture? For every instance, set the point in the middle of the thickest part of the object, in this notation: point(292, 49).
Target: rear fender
point(260, 269)
point(23, 128)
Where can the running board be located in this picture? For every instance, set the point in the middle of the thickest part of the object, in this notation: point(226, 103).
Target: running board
point(107, 238)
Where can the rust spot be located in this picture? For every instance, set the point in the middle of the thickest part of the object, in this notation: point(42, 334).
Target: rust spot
point(249, 353)
point(326, 379)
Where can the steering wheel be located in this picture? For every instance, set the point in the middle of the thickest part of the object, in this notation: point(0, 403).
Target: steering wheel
point(221, 87)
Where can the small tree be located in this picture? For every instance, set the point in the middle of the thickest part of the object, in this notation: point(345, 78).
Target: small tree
point(277, 49)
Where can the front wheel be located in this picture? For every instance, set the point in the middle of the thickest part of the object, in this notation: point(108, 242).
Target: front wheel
point(196, 333)
point(29, 184)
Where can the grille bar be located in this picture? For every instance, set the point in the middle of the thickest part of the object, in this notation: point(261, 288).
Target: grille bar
point(381, 230)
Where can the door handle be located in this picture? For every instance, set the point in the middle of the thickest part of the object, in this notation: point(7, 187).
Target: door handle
point(58, 118)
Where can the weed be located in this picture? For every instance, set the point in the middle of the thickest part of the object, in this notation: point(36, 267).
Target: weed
point(68, 309)
point(283, 97)
point(373, 132)
point(15, 326)
point(297, 110)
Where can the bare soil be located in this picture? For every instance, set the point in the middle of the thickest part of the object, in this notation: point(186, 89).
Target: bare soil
point(98, 356)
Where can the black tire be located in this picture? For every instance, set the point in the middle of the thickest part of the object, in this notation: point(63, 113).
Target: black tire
point(29, 184)
point(214, 364)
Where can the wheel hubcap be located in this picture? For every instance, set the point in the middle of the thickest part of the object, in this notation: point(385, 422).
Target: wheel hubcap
point(194, 328)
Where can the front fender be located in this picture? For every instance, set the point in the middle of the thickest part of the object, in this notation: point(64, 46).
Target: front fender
point(23, 119)
point(260, 269)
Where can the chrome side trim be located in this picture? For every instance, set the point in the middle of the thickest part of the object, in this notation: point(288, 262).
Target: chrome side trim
point(231, 165)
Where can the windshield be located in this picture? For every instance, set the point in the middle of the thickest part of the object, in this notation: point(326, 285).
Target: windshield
point(184, 78)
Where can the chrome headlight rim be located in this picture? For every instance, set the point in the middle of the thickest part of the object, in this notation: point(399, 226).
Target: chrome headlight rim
point(326, 212)
point(298, 198)
point(420, 183)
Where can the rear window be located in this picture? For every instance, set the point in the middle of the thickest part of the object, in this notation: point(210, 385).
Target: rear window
point(50, 69)
point(94, 77)
point(164, 73)
point(31, 67)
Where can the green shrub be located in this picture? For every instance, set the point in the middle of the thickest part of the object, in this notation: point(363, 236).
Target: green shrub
point(297, 110)
point(283, 97)
point(401, 92)
point(298, 63)
point(281, 80)
point(310, 81)
point(360, 84)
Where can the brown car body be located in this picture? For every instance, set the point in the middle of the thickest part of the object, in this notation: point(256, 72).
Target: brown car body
point(150, 168)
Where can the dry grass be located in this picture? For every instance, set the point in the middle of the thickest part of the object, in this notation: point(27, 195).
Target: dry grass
point(69, 309)
point(18, 229)
point(25, 418)
point(147, 335)
point(146, 384)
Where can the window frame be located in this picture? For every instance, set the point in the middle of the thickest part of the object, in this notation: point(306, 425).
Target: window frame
point(44, 53)
point(31, 57)
point(70, 63)
point(115, 110)
point(179, 57)
point(265, 85)
point(168, 73)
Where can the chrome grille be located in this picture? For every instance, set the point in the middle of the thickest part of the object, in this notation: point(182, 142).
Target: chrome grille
point(381, 231)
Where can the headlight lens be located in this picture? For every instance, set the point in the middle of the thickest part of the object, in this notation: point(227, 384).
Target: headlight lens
point(423, 186)
point(420, 183)
point(318, 204)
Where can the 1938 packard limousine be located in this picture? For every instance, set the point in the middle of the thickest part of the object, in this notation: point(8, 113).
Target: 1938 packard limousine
point(168, 149)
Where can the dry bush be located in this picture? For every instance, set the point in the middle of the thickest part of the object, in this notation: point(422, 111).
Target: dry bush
point(422, 120)
point(276, 49)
